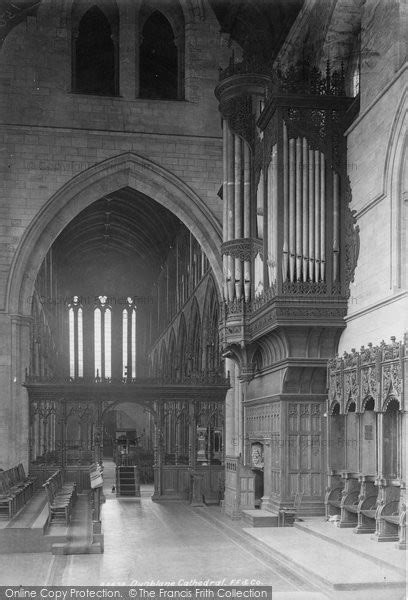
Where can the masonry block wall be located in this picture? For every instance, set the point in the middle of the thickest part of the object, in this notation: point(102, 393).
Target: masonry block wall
point(49, 136)
point(377, 140)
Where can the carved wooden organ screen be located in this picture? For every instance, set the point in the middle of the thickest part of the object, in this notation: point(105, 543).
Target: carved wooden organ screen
point(286, 194)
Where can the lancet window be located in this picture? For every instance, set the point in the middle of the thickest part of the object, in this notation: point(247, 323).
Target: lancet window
point(103, 339)
point(76, 345)
point(129, 340)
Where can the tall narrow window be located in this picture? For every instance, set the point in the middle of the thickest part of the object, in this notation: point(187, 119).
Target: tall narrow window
point(124, 342)
point(80, 344)
point(71, 342)
point(95, 55)
point(129, 340)
point(76, 350)
point(159, 71)
point(98, 345)
point(108, 342)
point(103, 339)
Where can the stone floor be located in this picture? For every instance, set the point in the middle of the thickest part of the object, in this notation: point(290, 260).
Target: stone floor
point(152, 544)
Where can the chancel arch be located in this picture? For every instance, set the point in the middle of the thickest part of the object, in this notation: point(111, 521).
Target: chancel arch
point(106, 177)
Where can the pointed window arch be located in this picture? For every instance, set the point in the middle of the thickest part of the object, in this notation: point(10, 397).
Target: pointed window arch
point(129, 340)
point(103, 339)
point(95, 55)
point(160, 64)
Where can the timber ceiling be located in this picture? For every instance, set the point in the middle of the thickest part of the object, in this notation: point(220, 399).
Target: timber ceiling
point(125, 227)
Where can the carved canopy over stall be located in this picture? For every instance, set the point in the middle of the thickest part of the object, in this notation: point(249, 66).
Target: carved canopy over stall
point(375, 372)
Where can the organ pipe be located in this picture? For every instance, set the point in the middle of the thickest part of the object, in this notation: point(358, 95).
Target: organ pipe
point(311, 215)
point(285, 262)
point(336, 226)
point(292, 208)
point(298, 194)
point(305, 208)
point(259, 205)
point(274, 235)
point(322, 218)
point(317, 215)
point(247, 218)
point(237, 212)
point(225, 180)
point(247, 191)
point(237, 188)
point(230, 184)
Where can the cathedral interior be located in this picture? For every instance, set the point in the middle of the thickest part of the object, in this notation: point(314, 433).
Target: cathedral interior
point(204, 294)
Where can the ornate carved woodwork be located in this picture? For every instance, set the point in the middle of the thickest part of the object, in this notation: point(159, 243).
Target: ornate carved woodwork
point(307, 242)
point(375, 372)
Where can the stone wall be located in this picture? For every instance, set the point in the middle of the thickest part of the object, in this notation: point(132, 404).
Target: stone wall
point(50, 136)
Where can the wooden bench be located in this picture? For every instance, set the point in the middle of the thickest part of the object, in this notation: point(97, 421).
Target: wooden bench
point(15, 490)
point(61, 498)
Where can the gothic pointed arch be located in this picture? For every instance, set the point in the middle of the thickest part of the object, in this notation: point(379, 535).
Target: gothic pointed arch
point(82, 190)
point(161, 51)
point(95, 51)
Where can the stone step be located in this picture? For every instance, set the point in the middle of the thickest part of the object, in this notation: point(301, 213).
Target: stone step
point(322, 562)
point(384, 555)
point(260, 518)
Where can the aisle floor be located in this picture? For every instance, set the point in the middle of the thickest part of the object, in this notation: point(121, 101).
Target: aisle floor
point(148, 543)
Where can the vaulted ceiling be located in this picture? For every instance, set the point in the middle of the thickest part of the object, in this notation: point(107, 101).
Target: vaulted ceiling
point(123, 233)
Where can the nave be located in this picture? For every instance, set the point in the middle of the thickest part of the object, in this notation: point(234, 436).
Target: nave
point(157, 543)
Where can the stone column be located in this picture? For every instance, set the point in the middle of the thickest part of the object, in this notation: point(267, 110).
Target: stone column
point(14, 408)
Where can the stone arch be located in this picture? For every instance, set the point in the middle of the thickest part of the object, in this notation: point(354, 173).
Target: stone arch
point(367, 401)
point(351, 405)
point(334, 408)
point(396, 188)
point(104, 178)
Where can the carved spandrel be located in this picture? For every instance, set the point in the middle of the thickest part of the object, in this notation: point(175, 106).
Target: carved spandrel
point(391, 380)
point(351, 386)
point(369, 383)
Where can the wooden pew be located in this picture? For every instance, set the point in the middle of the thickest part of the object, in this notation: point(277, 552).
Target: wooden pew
point(15, 490)
point(7, 501)
point(61, 498)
